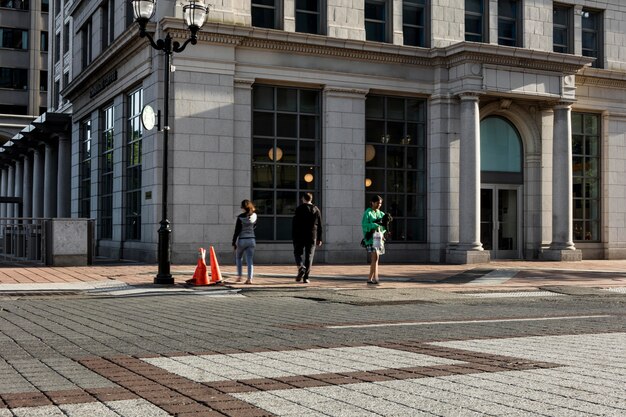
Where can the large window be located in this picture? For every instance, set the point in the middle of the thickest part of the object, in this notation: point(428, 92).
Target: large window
point(84, 180)
point(266, 14)
point(43, 80)
point(45, 6)
point(376, 17)
point(106, 173)
point(561, 30)
point(285, 155)
point(43, 47)
point(87, 45)
point(395, 162)
point(14, 4)
point(592, 36)
point(414, 20)
point(14, 78)
point(107, 22)
point(13, 38)
point(133, 166)
point(309, 16)
point(66, 38)
point(586, 175)
point(475, 20)
point(509, 22)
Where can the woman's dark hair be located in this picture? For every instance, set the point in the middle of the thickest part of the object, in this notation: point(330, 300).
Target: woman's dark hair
point(375, 199)
point(248, 206)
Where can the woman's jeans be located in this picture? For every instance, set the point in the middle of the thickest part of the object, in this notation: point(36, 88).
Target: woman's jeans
point(245, 246)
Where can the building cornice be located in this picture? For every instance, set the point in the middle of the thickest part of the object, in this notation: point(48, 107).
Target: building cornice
point(318, 45)
point(124, 46)
point(601, 78)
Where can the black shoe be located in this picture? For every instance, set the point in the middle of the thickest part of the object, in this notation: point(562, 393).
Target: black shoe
point(306, 280)
point(300, 274)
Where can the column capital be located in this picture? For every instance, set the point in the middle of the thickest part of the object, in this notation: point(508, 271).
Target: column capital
point(469, 96)
point(563, 105)
point(243, 83)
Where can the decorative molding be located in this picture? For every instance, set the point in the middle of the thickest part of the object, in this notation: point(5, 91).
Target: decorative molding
point(243, 83)
point(583, 80)
point(340, 91)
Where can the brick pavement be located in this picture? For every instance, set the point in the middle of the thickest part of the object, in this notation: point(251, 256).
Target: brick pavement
point(525, 274)
point(82, 357)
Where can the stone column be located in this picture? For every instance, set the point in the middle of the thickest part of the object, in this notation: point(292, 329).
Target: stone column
point(64, 178)
point(11, 190)
point(343, 164)
point(469, 248)
point(562, 245)
point(50, 182)
point(27, 187)
point(3, 191)
point(38, 183)
point(19, 186)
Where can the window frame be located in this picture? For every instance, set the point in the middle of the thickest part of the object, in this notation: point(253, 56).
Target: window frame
point(84, 171)
point(581, 225)
point(16, 78)
point(380, 135)
point(297, 157)
point(385, 22)
point(567, 48)
point(133, 165)
point(484, 22)
point(107, 148)
point(598, 30)
point(517, 21)
point(277, 7)
point(424, 28)
point(320, 13)
point(18, 38)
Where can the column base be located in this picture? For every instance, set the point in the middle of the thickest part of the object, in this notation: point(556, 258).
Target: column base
point(462, 257)
point(561, 255)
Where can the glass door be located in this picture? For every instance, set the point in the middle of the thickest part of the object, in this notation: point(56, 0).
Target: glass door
point(500, 225)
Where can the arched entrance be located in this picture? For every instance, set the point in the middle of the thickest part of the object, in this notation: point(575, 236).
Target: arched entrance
point(501, 188)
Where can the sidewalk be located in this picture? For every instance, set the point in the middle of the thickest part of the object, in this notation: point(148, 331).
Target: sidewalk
point(505, 275)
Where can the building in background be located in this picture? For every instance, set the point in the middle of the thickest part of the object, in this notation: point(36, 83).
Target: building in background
point(24, 44)
point(491, 128)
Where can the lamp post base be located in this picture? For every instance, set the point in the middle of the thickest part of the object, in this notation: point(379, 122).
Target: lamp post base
point(164, 277)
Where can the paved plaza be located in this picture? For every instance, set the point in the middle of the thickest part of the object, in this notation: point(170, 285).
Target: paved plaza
point(504, 340)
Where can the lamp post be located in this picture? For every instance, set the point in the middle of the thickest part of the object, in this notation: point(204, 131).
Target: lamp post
point(194, 12)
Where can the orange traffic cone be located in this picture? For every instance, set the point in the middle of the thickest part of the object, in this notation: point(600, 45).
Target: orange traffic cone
point(216, 275)
point(200, 275)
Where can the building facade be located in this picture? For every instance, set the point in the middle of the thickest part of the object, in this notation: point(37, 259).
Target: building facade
point(491, 128)
point(24, 44)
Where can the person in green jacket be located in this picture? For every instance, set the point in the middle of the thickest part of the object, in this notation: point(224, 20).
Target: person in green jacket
point(371, 222)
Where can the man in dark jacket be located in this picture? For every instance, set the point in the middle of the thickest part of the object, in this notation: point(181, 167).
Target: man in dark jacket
point(306, 232)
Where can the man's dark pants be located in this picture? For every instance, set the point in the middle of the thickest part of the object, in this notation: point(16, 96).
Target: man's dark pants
point(309, 251)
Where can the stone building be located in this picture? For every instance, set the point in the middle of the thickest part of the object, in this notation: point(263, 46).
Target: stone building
point(491, 128)
point(24, 42)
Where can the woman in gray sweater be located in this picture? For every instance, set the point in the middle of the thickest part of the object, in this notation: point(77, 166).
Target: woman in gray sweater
point(244, 240)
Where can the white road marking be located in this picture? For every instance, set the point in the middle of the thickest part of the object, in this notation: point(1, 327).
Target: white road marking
point(497, 276)
point(430, 323)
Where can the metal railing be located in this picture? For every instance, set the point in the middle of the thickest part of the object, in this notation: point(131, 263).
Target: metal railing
point(22, 240)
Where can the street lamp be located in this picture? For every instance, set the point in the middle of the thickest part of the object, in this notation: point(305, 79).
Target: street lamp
point(194, 12)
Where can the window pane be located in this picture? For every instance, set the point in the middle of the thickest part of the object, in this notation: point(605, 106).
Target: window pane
point(376, 181)
point(309, 127)
point(286, 202)
point(287, 125)
point(287, 99)
point(261, 150)
point(286, 177)
point(307, 22)
point(264, 228)
point(288, 149)
point(307, 152)
point(263, 18)
point(262, 175)
point(474, 6)
point(263, 201)
point(283, 228)
point(309, 101)
point(263, 124)
point(263, 98)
